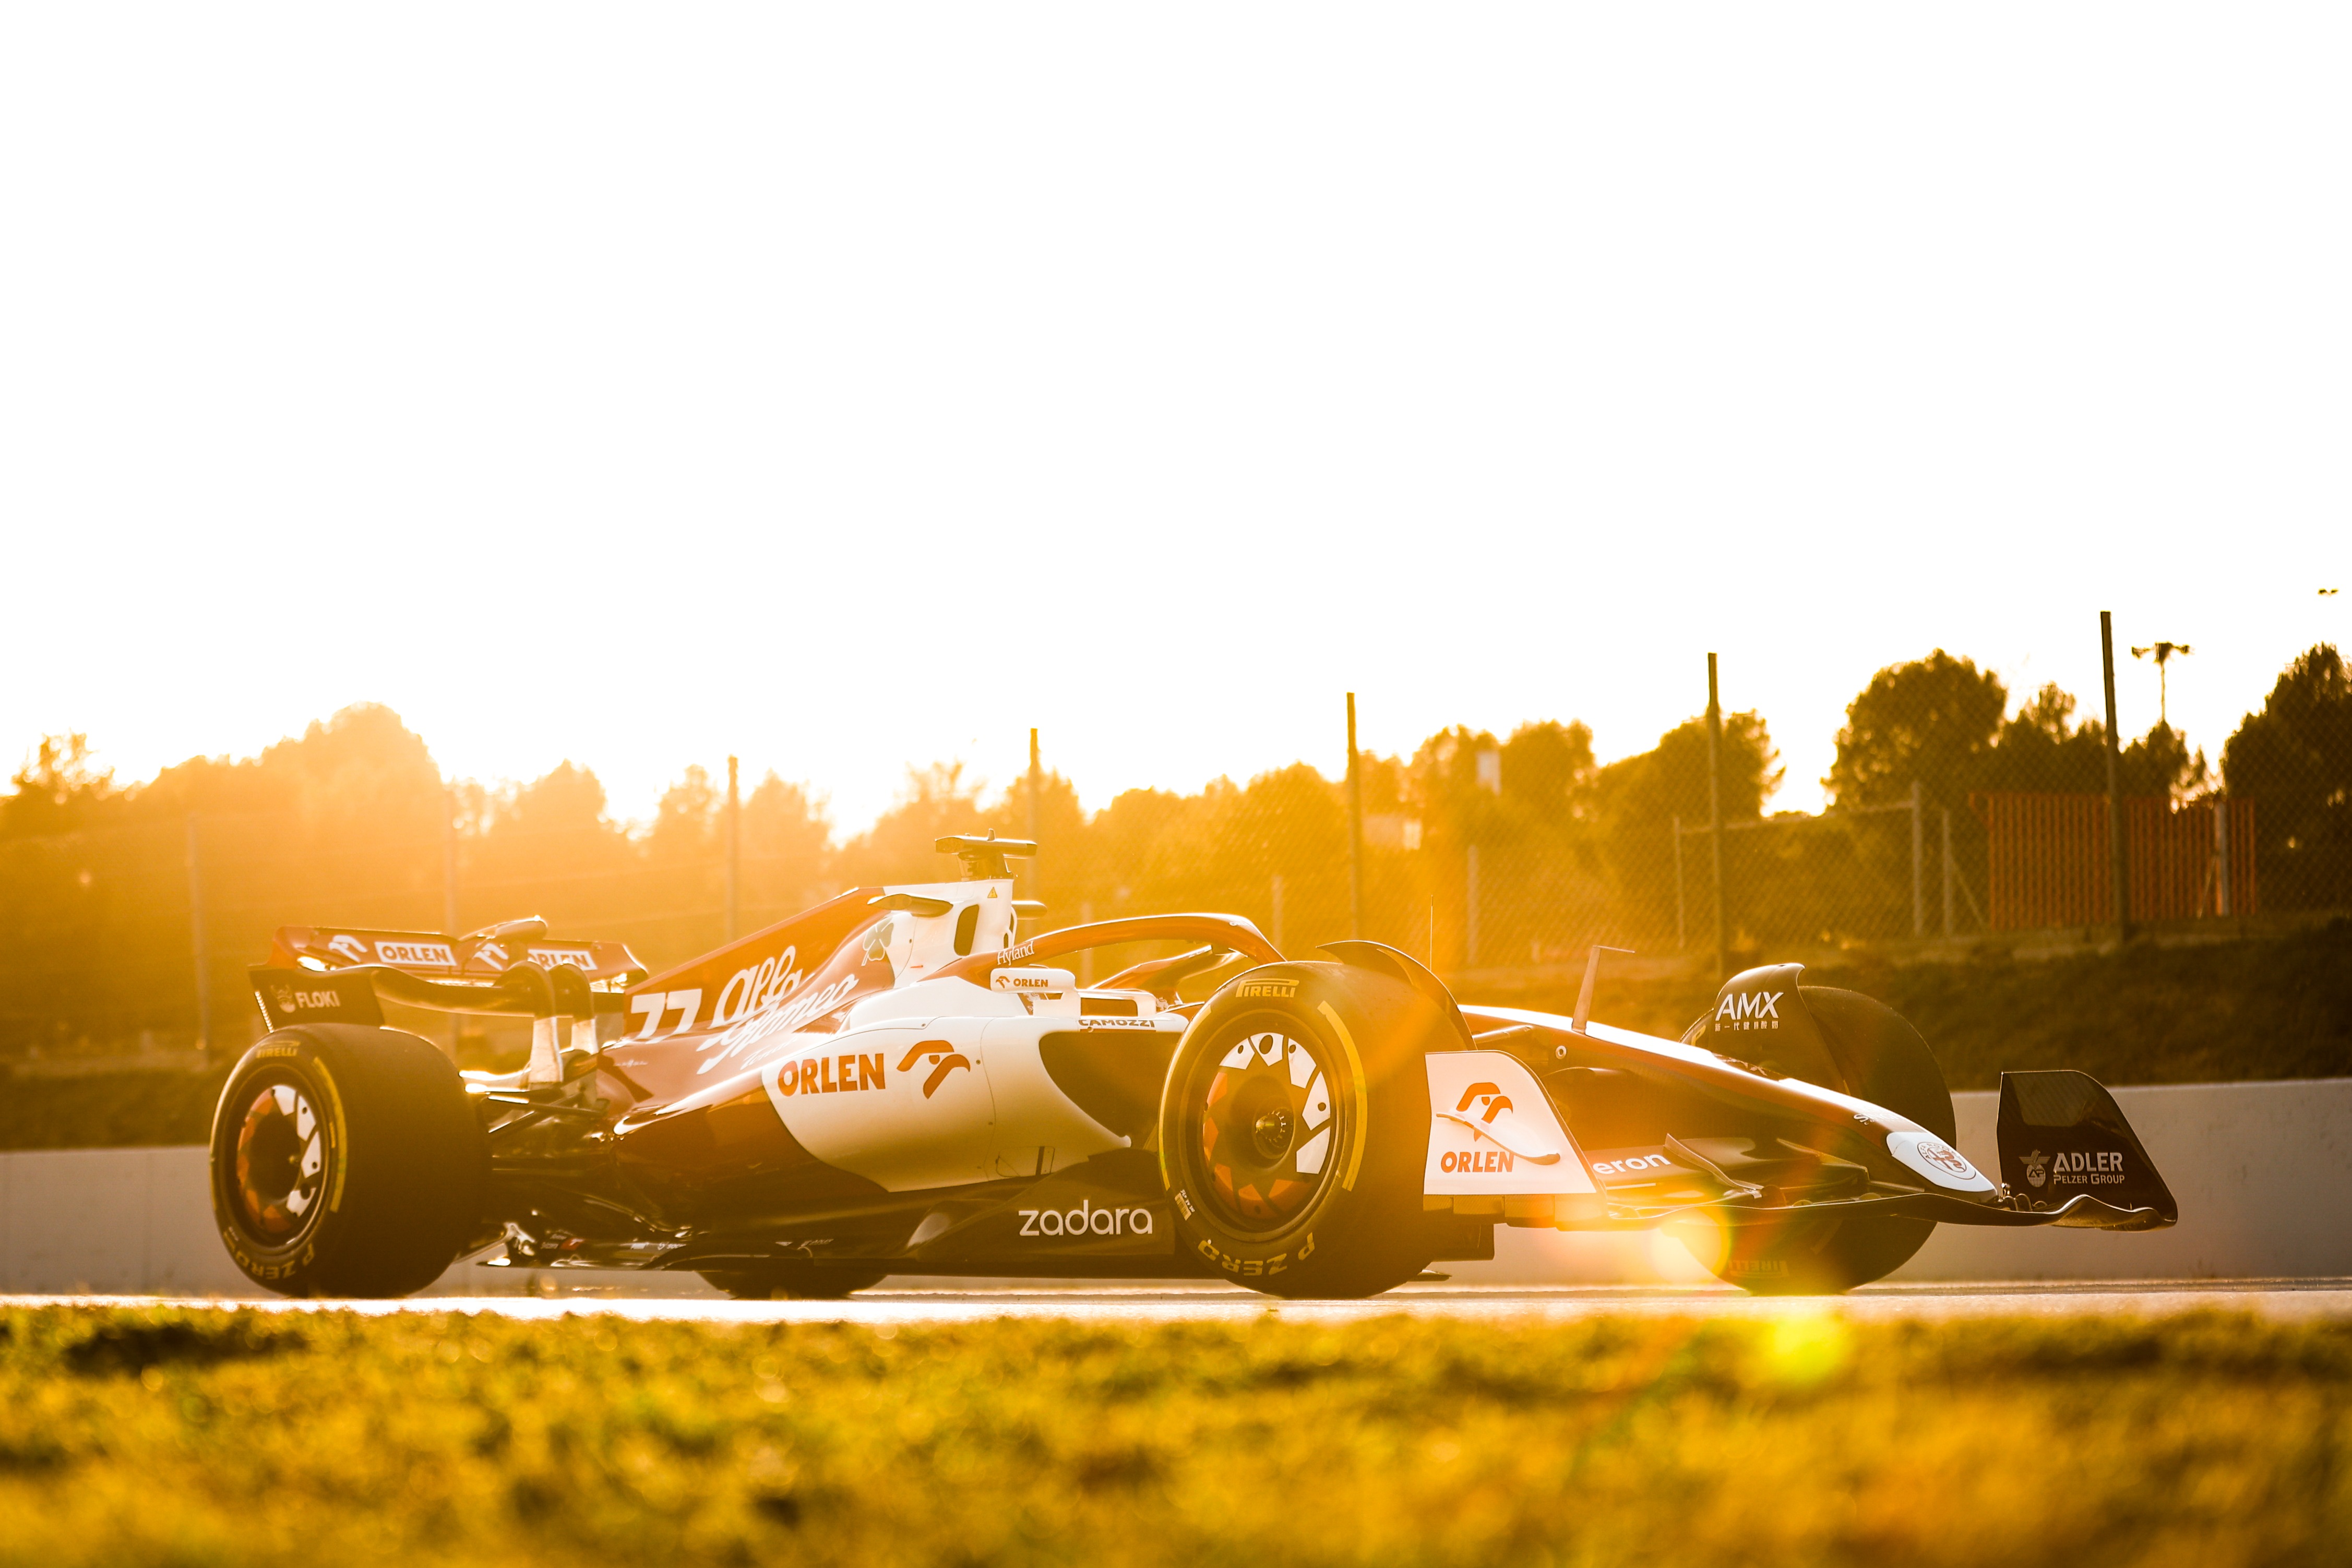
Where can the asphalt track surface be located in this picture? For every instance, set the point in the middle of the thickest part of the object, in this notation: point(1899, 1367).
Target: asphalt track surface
point(2284, 1300)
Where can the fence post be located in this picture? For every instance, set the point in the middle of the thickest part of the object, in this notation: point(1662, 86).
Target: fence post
point(1037, 784)
point(196, 937)
point(1470, 915)
point(2119, 873)
point(449, 862)
point(1682, 940)
point(450, 925)
point(734, 851)
point(2221, 856)
point(1948, 870)
point(1355, 830)
point(1918, 864)
point(1276, 933)
point(1715, 817)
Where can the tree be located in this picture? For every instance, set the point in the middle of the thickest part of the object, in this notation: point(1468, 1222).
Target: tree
point(787, 848)
point(2042, 749)
point(57, 790)
point(567, 800)
point(2294, 760)
point(1454, 809)
point(1932, 720)
point(686, 823)
point(536, 849)
point(1549, 770)
point(1638, 794)
point(899, 846)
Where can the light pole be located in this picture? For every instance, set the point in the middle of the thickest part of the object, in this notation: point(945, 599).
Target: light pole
point(2164, 653)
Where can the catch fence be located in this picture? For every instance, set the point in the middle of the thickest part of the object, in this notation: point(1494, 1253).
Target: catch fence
point(1473, 854)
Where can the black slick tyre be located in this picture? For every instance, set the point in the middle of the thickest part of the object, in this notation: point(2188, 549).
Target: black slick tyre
point(793, 1282)
point(1877, 1056)
point(346, 1161)
point(1293, 1127)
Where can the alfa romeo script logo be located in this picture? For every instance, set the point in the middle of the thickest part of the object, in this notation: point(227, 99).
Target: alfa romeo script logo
point(1944, 1157)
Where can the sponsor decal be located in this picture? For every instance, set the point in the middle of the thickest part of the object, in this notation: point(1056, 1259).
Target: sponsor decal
point(1016, 954)
point(1119, 1023)
point(1086, 1221)
point(845, 1074)
point(1024, 982)
point(772, 1000)
point(943, 1058)
point(346, 946)
point(1476, 1160)
point(1496, 1101)
point(417, 955)
point(1945, 1158)
point(761, 985)
point(549, 957)
point(2082, 1168)
point(1937, 1160)
point(1632, 1164)
point(1750, 1010)
point(1183, 1201)
point(290, 1000)
point(1280, 989)
point(494, 954)
point(1252, 1268)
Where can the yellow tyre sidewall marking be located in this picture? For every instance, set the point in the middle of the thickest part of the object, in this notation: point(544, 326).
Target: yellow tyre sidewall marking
point(1363, 1097)
point(338, 1141)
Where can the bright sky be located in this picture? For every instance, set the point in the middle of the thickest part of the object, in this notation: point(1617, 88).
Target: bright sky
point(853, 386)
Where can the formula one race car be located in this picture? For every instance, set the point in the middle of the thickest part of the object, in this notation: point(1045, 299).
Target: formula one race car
point(897, 1082)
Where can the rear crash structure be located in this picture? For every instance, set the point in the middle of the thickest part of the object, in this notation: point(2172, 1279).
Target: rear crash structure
point(900, 1080)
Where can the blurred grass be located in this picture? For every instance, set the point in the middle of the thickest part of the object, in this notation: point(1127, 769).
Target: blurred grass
point(198, 1437)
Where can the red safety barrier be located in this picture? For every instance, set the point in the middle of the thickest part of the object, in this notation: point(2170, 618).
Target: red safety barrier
point(2047, 859)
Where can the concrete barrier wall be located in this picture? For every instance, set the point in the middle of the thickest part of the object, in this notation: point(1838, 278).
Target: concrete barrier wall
point(2263, 1171)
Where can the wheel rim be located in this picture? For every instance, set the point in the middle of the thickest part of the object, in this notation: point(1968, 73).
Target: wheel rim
point(1266, 1130)
point(281, 1164)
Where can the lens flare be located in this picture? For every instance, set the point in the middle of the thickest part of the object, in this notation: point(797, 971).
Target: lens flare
point(1805, 1346)
point(1691, 1248)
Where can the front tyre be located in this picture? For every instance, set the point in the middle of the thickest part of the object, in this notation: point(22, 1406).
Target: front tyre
point(1293, 1127)
point(346, 1161)
point(1875, 1055)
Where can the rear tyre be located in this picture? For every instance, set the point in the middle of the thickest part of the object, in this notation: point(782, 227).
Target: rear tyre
point(346, 1161)
point(1878, 1057)
point(793, 1282)
point(1293, 1127)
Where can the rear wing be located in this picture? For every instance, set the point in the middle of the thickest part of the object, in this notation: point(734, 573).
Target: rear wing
point(344, 974)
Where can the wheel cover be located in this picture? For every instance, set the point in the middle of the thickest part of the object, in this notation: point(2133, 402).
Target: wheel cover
point(281, 1164)
point(1266, 1130)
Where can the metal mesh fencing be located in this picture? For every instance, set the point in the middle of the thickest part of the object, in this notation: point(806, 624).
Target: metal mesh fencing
point(1477, 853)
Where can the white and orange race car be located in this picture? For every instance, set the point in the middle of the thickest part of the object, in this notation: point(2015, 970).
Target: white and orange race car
point(897, 1081)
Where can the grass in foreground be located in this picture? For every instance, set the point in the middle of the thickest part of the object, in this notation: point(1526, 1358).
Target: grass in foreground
point(172, 1436)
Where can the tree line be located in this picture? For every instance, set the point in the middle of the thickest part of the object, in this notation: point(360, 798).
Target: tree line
point(352, 822)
